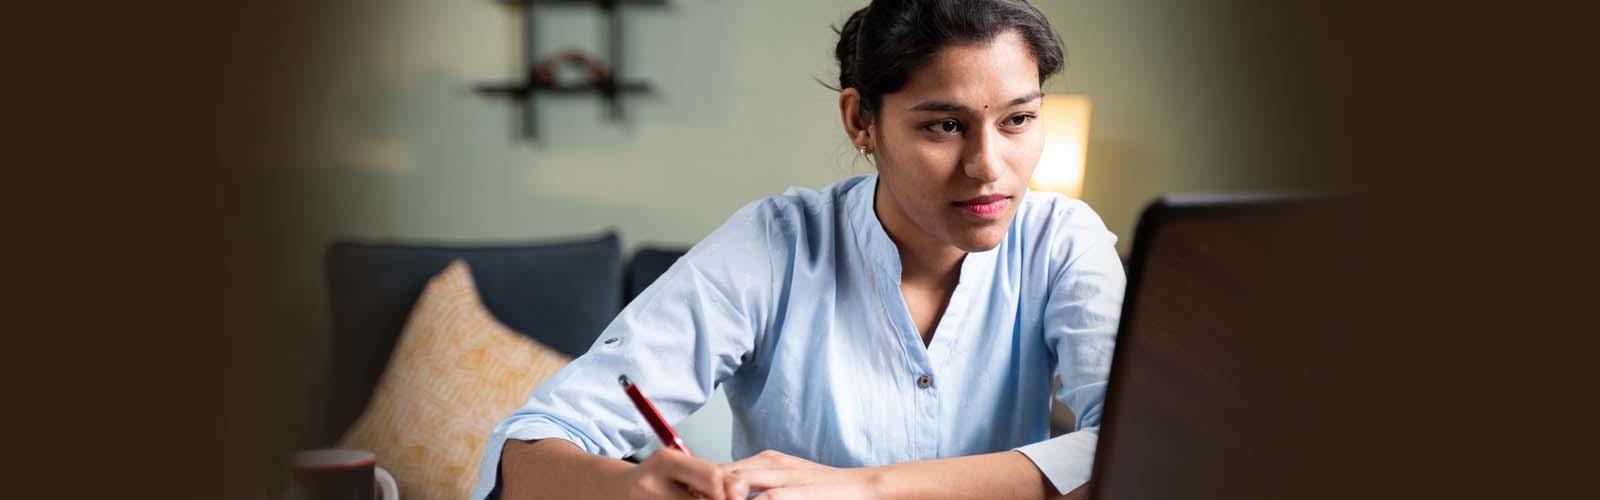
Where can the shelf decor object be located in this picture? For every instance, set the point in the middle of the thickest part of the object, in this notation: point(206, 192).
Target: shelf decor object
point(600, 77)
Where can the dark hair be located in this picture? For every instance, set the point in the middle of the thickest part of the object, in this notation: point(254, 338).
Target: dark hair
point(882, 43)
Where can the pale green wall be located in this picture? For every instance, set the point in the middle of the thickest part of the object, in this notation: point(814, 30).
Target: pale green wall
point(396, 146)
point(1181, 102)
point(410, 152)
point(736, 116)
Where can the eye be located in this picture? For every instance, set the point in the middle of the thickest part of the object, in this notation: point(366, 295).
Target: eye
point(1019, 121)
point(944, 127)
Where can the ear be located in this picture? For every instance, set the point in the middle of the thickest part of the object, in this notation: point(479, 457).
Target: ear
point(857, 125)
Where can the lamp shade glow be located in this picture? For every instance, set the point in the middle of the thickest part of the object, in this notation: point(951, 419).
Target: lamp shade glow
point(1065, 118)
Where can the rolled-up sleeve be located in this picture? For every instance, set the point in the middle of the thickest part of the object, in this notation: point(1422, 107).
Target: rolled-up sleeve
point(691, 329)
point(1081, 319)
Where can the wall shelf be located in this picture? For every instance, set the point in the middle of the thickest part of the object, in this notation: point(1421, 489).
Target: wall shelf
point(526, 88)
point(607, 84)
point(600, 3)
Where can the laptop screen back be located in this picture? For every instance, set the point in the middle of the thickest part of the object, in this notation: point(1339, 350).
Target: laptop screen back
point(1234, 328)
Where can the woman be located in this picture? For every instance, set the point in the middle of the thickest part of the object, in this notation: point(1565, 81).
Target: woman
point(888, 336)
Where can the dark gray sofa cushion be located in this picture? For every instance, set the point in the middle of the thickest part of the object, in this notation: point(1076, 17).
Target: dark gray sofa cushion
point(646, 265)
point(561, 294)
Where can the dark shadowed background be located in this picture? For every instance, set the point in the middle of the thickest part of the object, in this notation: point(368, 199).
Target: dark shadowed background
point(185, 165)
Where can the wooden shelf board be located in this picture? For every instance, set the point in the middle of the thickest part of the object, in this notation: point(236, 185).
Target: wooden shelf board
point(524, 88)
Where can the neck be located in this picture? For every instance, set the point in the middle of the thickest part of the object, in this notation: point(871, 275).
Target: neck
point(924, 261)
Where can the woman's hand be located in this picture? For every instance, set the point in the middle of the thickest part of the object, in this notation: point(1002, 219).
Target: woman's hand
point(783, 477)
point(671, 474)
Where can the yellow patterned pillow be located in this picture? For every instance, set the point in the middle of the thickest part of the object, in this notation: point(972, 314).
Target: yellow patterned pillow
point(454, 374)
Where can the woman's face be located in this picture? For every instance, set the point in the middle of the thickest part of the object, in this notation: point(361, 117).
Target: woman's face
point(956, 146)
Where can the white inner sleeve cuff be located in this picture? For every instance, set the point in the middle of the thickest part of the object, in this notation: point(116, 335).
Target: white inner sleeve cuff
point(1065, 460)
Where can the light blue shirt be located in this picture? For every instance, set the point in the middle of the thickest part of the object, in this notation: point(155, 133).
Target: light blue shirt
point(794, 308)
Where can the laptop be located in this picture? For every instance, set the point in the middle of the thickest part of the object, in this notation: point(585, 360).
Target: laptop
point(1235, 328)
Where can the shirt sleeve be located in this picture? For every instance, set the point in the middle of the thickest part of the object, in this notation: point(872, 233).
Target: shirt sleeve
point(692, 328)
point(1081, 318)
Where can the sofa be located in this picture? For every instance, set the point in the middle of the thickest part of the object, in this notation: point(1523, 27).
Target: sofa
point(560, 293)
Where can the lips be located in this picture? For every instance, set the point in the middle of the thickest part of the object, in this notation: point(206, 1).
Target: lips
point(985, 207)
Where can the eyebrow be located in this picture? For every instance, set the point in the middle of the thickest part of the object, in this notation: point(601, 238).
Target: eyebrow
point(949, 106)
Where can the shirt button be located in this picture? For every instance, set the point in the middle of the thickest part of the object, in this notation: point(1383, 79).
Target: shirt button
point(925, 381)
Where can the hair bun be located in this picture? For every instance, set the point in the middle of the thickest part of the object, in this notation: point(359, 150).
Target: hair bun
point(880, 45)
point(849, 47)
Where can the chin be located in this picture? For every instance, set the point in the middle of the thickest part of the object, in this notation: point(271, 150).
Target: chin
point(980, 239)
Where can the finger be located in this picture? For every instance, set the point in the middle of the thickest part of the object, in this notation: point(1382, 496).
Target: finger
point(736, 487)
point(765, 460)
point(656, 486)
point(701, 476)
point(742, 464)
point(762, 479)
point(661, 477)
point(775, 495)
point(797, 493)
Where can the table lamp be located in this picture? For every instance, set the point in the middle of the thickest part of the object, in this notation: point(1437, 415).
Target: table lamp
point(1065, 118)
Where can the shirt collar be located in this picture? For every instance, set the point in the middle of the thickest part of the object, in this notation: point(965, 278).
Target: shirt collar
point(881, 253)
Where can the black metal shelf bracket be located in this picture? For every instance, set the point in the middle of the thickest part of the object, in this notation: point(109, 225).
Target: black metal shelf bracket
point(603, 79)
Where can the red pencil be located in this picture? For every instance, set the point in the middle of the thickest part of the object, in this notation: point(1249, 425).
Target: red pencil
point(669, 437)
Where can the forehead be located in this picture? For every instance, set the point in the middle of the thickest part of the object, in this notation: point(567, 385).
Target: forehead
point(974, 75)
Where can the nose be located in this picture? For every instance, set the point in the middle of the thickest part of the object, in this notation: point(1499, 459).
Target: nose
point(982, 159)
